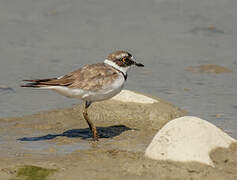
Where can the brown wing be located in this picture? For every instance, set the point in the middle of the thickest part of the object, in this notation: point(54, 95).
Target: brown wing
point(90, 77)
point(94, 77)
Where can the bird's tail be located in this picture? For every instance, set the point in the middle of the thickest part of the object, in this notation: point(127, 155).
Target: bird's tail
point(37, 83)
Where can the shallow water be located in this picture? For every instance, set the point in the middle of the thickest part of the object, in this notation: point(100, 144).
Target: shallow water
point(41, 39)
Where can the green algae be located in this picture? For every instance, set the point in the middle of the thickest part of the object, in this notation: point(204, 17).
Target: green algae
point(33, 173)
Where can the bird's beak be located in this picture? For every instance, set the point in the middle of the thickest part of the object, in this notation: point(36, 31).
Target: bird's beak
point(135, 63)
point(139, 64)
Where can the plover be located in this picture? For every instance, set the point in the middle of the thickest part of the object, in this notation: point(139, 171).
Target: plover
point(91, 83)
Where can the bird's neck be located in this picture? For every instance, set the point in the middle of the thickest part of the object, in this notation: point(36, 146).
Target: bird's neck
point(114, 65)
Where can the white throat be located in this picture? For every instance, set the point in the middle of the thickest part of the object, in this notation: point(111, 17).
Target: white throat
point(122, 69)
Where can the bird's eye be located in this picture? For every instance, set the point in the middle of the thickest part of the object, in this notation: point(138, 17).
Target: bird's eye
point(124, 59)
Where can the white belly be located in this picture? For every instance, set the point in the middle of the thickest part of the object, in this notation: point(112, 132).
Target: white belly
point(92, 96)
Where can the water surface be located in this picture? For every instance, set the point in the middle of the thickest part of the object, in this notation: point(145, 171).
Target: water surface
point(41, 39)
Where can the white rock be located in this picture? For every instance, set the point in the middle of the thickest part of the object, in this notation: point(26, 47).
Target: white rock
point(129, 96)
point(187, 139)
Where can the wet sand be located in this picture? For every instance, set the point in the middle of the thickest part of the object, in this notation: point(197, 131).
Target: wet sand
point(60, 139)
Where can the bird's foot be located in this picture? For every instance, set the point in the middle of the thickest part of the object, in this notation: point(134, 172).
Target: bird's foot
point(95, 135)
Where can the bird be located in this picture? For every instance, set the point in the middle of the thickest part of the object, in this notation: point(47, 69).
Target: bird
point(91, 83)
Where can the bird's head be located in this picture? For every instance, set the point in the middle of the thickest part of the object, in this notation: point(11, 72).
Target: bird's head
point(123, 59)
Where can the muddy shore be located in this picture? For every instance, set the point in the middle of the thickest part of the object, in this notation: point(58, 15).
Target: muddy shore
point(60, 140)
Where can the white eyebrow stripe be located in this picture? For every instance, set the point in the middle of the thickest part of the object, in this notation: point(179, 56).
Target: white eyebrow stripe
point(121, 55)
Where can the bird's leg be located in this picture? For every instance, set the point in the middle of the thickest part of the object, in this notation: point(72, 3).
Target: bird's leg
point(90, 124)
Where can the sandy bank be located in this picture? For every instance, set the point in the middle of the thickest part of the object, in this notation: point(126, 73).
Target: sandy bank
point(60, 139)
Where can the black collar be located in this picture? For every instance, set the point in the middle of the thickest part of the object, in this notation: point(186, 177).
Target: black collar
point(124, 75)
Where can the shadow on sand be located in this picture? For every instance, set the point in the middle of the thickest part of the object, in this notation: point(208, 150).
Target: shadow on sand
point(85, 133)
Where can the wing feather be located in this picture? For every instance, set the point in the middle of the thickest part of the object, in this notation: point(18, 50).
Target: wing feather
point(91, 77)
